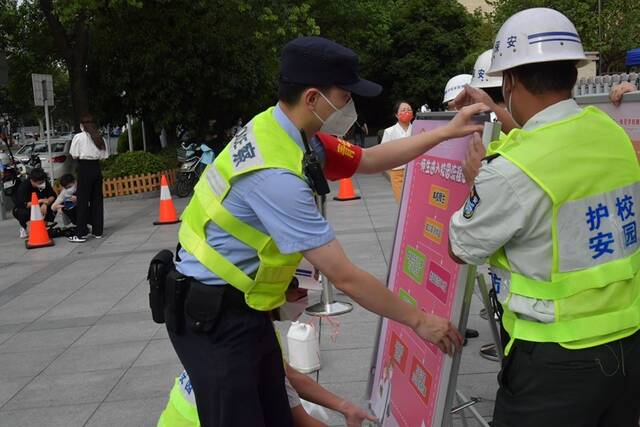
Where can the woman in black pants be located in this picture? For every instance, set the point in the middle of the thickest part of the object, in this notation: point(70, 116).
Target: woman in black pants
point(88, 148)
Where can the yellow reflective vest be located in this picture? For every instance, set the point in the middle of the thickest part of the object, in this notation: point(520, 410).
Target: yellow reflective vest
point(587, 167)
point(262, 144)
point(181, 410)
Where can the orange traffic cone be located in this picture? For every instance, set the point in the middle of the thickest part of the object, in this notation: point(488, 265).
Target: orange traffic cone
point(38, 235)
point(167, 210)
point(346, 191)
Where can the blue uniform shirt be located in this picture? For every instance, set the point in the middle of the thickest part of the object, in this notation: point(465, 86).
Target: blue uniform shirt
point(274, 201)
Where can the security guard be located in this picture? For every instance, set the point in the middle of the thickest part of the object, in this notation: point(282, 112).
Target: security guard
point(250, 221)
point(555, 210)
point(452, 89)
point(487, 90)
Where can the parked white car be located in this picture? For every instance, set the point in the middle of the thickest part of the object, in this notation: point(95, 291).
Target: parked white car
point(62, 161)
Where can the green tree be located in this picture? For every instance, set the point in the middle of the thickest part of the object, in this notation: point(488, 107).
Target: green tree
point(620, 31)
point(25, 38)
point(428, 46)
point(363, 26)
point(185, 62)
point(69, 24)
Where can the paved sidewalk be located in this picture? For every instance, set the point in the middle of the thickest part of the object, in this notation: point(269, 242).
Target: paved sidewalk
point(78, 347)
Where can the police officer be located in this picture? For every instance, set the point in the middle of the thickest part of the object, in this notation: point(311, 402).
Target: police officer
point(251, 220)
point(554, 209)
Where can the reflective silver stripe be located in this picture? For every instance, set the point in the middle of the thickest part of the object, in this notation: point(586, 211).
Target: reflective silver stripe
point(598, 229)
point(525, 307)
point(165, 194)
point(501, 282)
point(532, 309)
point(186, 389)
point(216, 182)
point(243, 150)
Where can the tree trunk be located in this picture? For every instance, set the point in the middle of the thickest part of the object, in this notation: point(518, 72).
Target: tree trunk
point(153, 140)
point(79, 90)
point(171, 135)
point(73, 48)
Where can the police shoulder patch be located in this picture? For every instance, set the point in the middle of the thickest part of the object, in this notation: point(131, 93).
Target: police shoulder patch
point(472, 203)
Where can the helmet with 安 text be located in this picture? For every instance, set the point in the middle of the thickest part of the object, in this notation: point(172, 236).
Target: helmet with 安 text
point(533, 36)
point(480, 77)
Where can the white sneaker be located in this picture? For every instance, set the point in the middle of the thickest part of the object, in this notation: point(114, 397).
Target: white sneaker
point(96, 236)
point(76, 239)
point(23, 233)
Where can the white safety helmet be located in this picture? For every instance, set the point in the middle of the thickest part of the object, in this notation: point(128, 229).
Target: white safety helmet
point(454, 86)
point(480, 77)
point(533, 36)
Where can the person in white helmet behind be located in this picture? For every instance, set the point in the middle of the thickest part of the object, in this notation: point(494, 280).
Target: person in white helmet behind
point(489, 89)
point(486, 89)
point(554, 211)
point(454, 86)
point(452, 90)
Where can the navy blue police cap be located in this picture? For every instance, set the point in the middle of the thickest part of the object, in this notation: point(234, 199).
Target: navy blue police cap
point(317, 61)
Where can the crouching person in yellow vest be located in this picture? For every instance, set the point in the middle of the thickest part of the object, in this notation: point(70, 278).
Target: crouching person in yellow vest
point(181, 410)
point(554, 209)
point(251, 220)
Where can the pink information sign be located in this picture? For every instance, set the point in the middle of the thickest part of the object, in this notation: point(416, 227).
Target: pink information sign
point(412, 378)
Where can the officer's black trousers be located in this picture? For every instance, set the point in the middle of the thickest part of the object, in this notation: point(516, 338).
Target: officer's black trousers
point(544, 384)
point(236, 370)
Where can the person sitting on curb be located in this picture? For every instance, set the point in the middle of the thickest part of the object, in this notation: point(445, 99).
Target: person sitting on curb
point(65, 203)
point(37, 183)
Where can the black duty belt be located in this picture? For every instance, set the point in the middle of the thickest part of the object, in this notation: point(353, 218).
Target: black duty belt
point(232, 297)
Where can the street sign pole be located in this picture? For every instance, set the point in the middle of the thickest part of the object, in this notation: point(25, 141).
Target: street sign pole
point(48, 131)
point(4, 80)
point(43, 95)
point(3, 208)
point(130, 131)
point(144, 137)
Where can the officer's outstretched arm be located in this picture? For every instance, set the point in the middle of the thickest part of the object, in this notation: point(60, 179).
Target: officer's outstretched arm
point(401, 151)
point(370, 293)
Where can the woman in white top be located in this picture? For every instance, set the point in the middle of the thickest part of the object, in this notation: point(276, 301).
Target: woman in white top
point(402, 129)
point(88, 148)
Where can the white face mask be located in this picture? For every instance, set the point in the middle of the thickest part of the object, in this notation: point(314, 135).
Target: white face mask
point(71, 189)
point(510, 96)
point(339, 123)
point(42, 186)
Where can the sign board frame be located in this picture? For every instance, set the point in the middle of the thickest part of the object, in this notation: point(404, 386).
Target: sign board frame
point(42, 89)
point(432, 406)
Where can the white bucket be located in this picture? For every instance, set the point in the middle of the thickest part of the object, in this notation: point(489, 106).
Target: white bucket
point(304, 348)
